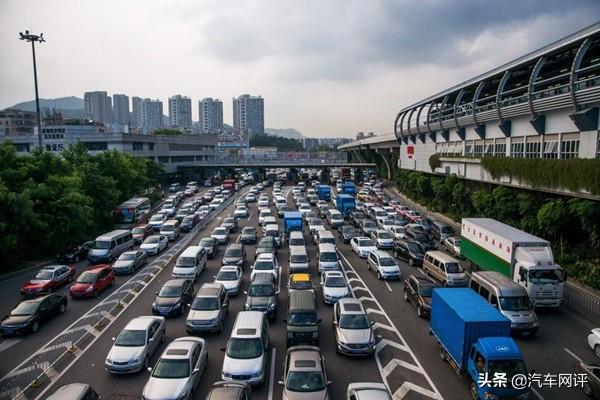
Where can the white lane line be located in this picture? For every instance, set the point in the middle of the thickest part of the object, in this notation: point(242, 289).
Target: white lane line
point(408, 386)
point(573, 354)
point(8, 343)
point(272, 373)
point(388, 286)
point(537, 394)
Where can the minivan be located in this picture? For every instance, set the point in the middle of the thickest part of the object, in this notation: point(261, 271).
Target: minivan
point(246, 352)
point(441, 231)
point(109, 246)
point(298, 259)
point(296, 239)
point(302, 321)
point(190, 263)
point(170, 229)
point(508, 297)
point(325, 237)
point(328, 258)
point(444, 269)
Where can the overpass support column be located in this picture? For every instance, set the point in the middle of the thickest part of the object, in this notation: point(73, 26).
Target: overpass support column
point(385, 154)
point(358, 156)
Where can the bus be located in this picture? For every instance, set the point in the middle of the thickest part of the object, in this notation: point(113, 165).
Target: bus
point(133, 212)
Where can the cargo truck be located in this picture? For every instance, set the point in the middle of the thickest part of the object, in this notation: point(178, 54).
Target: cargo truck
point(229, 184)
point(324, 192)
point(292, 221)
point(349, 188)
point(475, 339)
point(491, 245)
point(345, 203)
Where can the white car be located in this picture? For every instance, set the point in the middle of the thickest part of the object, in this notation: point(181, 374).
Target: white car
point(367, 391)
point(594, 341)
point(452, 246)
point(177, 372)
point(352, 329)
point(383, 239)
point(389, 210)
point(263, 204)
point(362, 246)
point(315, 224)
point(157, 220)
point(230, 276)
point(240, 212)
point(265, 262)
point(216, 203)
point(334, 286)
point(220, 234)
point(397, 232)
point(133, 348)
point(250, 198)
point(154, 244)
point(304, 208)
point(263, 214)
point(383, 265)
point(205, 209)
point(169, 208)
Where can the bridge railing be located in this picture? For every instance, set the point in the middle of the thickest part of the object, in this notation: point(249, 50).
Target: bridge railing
point(582, 301)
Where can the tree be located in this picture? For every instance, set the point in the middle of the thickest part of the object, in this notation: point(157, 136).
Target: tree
point(505, 208)
point(551, 218)
point(281, 143)
point(483, 202)
point(167, 132)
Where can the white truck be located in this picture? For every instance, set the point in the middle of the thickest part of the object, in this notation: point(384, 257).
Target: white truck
point(527, 259)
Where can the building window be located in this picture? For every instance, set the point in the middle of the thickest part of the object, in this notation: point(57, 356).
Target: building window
point(569, 149)
point(551, 149)
point(22, 147)
point(182, 158)
point(516, 150)
point(164, 160)
point(500, 150)
point(478, 150)
point(532, 149)
point(137, 146)
point(468, 149)
point(96, 146)
point(489, 150)
point(151, 146)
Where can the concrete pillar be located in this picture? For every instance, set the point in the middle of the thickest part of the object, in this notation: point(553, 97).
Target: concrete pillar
point(357, 155)
point(384, 153)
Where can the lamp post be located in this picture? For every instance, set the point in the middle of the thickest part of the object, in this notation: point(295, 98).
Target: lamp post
point(29, 37)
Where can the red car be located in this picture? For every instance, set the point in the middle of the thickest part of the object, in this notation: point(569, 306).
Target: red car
point(48, 279)
point(93, 281)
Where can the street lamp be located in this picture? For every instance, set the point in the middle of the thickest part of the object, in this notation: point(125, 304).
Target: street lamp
point(29, 37)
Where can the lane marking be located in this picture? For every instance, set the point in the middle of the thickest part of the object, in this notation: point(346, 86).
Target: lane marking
point(408, 386)
point(573, 355)
point(388, 286)
point(272, 373)
point(8, 343)
point(537, 394)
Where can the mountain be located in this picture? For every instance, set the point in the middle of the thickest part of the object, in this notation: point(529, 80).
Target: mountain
point(70, 107)
point(289, 133)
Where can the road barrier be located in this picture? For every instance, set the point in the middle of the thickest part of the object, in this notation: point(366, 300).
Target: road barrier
point(582, 301)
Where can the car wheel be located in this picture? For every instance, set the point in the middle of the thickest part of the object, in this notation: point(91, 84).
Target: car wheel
point(411, 262)
point(112, 282)
point(221, 325)
point(473, 391)
point(35, 327)
point(442, 353)
point(379, 275)
point(95, 294)
point(70, 279)
point(50, 290)
point(405, 295)
point(587, 389)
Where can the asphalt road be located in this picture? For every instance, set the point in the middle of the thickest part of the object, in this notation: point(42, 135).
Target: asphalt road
point(407, 359)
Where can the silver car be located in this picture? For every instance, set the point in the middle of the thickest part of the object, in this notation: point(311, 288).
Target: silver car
point(208, 309)
point(334, 286)
point(353, 332)
point(367, 391)
point(305, 375)
point(220, 234)
point(177, 372)
point(230, 276)
point(129, 261)
point(135, 345)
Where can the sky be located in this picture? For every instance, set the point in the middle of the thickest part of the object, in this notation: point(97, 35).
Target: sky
point(328, 68)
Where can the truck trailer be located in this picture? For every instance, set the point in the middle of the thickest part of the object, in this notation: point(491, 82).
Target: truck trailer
point(491, 245)
point(345, 203)
point(324, 192)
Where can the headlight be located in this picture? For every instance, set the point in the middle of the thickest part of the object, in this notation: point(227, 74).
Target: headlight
point(246, 306)
point(271, 307)
point(89, 289)
point(108, 360)
point(136, 360)
point(489, 396)
point(177, 305)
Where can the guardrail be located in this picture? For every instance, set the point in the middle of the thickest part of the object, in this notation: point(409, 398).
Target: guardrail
point(582, 301)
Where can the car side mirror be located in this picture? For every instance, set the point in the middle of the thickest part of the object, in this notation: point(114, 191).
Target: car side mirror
point(156, 293)
point(329, 383)
point(245, 292)
point(113, 339)
point(335, 322)
point(189, 305)
point(280, 382)
point(196, 370)
point(222, 348)
point(284, 320)
point(151, 340)
point(214, 277)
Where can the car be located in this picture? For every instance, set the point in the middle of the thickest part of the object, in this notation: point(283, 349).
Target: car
point(263, 203)
point(93, 281)
point(215, 203)
point(335, 218)
point(48, 279)
point(383, 239)
point(262, 295)
point(220, 234)
point(189, 222)
point(418, 291)
point(224, 390)
point(387, 223)
point(129, 261)
point(334, 286)
point(397, 232)
point(230, 223)
point(304, 208)
point(157, 220)
point(173, 297)
point(300, 281)
point(308, 215)
point(28, 315)
point(266, 245)
point(315, 224)
point(135, 345)
point(235, 254)
point(304, 374)
point(353, 332)
point(409, 251)
point(362, 246)
point(210, 245)
point(356, 218)
point(183, 212)
point(263, 214)
point(178, 371)
point(208, 309)
point(383, 265)
point(154, 244)
point(141, 232)
point(248, 235)
point(422, 239)
point(250, 197)
point(591, 373)
point(230, 276)
point(413, 215)
point(367, 226)
point(367, 391)
point(74, 253)
point(74, 391)
point(452, 246)
point(241, 212)
point(169, 208)
point(265, 263)
point(346, 233)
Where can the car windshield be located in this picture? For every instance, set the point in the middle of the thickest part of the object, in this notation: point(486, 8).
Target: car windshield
point(387, 262)
point(385, 235)
point(87, 277)
point(305, 381)
point(152, 239)
point(453, 268)
point(264, 265)
point(170, 291)
point(261, 290)
point(249, 232)
point(44, 275)
point(296, 242)
point(414, 248)
point(354, 321)
point(266, 244)
point(298, 258)
point(129, 338)
point(516, 303)
point(244, 348)
point(302, 318)
point(189, 218)
point(206, 242)
point(335, 281)
point(127, 256)
point(272, 233)
point(426, 291)
point(233, 252)
point(229, 221)
point(369, 224)
point(219, 231)
point(508, 367)
point(205, 303)
point(227, 276)
point(102, 244)
point(25, 308)
point(167, 228)
point(172, 369)
point(328, 256)
point(156, 217)
point(366, 243)
point(301, 285)
point(348, 231)
point(137, 231)
point(546, 276)
point(316, 221)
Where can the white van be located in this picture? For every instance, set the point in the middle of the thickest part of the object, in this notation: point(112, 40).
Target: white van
point(109, 246)
point(298, 260)
point(296, 239)
point(328, 258)
point(444, 269)
point(246, 352)
point(170, 229)
point(325, 237)
point(190, 263)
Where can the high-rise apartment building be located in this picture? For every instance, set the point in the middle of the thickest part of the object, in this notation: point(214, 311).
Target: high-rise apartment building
point(249, 114)
point(121, 109)
point(136, 111)
point(180, 112)
point(98, 106)
point(152, 115)
point(211, 115)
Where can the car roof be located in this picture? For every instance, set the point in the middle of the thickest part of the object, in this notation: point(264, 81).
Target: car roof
point(235, 246)
point(423, 281)
point(263, 278)
point(141, 323)
point(224, 390)
point(98, 268)
point(229, 268)
point(265, 257)
point(69, 391)
point(53, 267)
point(174, 282)
point(209, 290)
point(350, 305)
point(333, 273)
point(304, 358)
point(303, 277)
point(326, 247)
point(180, 348)
point(381, 253)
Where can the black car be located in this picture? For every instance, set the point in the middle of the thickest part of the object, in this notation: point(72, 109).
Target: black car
point(409, 251)
point(356, 218)
point(74, 253)
point(418, 291)
point(248, 235)
point(230, 223)
point(189, 222)
point(28, 315)
point(346, 233)
point(235, 254)
point(210, 246)
point(421, 238)
point(173, 297)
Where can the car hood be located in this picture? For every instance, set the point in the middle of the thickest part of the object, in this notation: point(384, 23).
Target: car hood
point(98, 252)
point(218, 236)
point(16, 320)
point(368, 248)
point(229, 284)
point(356, 336)
point(202, 315)
point(159, 389)
point(335, 291)
point(80, 287)
point(231, 260)
point(36, 283)
point(148, 246)
point(123, 263)
point(258, 301)
point(289, 395)
point(242, 367)
point(124, 353)
point(166, 301)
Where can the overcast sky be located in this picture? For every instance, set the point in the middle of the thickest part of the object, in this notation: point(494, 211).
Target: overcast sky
point(324, 67)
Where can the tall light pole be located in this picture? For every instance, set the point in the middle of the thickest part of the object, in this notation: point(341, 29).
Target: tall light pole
point(29, 37)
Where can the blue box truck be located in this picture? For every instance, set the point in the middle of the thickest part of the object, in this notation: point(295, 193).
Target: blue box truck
point(292, 221)
point(349, 188)
point(474, 338)
point(324, 192)
point(345, 203)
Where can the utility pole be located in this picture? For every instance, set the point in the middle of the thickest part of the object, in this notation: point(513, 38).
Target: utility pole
point(29, 37)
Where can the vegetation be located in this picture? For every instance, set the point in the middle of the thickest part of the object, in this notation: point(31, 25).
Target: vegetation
point(167, 132)
point(48, 202)
point(281, 143)
point(434, 161)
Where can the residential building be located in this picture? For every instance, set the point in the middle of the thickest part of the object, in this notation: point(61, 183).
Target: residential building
point(310, 144)
point(17, 122)
point(136, 111)
point(121, 109)
point(249, 115)
point(180, 112)
point(152, 115)
point(211, 115)
point(98, 106)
